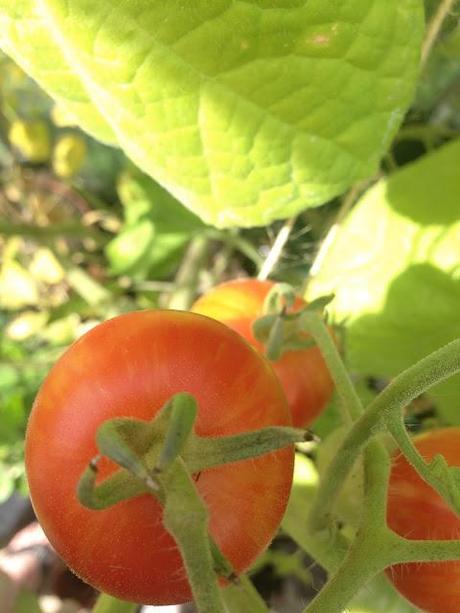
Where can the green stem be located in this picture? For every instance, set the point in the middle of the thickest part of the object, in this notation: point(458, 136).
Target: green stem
point(349, 400)
point(404, 388)
point(374, 546)
point(377, 466)
point(362, 563)
point(434, 28)
point(338, 469)
point(46, 233)
point(186, 518)
point(243, 596)
point(427, 551)
point(207, 452)
point(276, 249)
point(109, 604)
point(237, 242)
point(417, 379)
point(189, 271)
point(443, 478)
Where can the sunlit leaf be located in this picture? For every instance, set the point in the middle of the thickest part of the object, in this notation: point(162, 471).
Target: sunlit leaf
point(245, 111)
point(395, 272)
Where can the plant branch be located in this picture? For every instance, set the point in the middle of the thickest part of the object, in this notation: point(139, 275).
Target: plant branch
point(50, 232)
point(187, 276)
point(276, 249)
point(350, 403)
point(331, 234)
point(434, 28)
point(186, 518)
point(417, 379)
point(243, 596)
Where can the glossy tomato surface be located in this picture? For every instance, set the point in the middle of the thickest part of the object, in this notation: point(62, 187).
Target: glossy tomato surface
point(130, 366)
point(416, 511)
point(303, 374)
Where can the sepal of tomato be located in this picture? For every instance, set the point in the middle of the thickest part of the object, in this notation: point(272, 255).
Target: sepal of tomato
point(302, 372)
point(416, 511)
point(129, 367)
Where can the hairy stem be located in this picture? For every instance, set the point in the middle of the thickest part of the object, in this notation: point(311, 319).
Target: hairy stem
point(243, 596)
point(349, 401)
point(186, 518)
point(365, 559)
point(417, 379)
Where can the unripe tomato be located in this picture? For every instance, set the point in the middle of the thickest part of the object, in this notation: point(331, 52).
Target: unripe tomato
point(130, 366)
point(416, 511)
point(303, 373)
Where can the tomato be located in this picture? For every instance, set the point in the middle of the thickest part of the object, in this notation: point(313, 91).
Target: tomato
point(416, 511)
point(303, 373)
point(130, 366)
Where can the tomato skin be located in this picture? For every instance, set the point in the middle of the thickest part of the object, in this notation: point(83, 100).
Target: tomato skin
point(303, 374)
point(129, 366)
point(416, 511)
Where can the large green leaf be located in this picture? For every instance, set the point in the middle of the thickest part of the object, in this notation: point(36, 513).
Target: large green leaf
point(245, 111)
point(395, 271)
point(25, 36)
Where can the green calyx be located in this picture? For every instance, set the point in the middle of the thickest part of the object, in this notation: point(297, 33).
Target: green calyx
point(161, 457)
point(145, 450)
point(280, 328)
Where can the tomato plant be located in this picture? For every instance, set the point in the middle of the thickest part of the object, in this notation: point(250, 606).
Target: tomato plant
point(416, 511)
point(130, 366)
point(303, 373)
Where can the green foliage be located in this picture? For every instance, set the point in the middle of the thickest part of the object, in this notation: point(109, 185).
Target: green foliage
point(155, 232)
point(394, 270)
point(439, 81)
point(245, 112)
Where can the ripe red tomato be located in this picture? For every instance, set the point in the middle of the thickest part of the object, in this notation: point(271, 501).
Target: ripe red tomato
point(130, 366)
point(416, 511)
point(303, 373)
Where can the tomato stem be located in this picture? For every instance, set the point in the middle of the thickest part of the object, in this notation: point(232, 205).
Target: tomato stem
point(183, 411)
point(385, 412)
point(201, 453)
point(159, 457)
point(376, 546)
point(350, 403)
point(243, 596)
point(186, 518)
